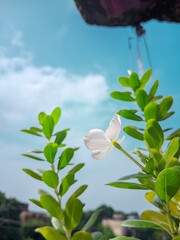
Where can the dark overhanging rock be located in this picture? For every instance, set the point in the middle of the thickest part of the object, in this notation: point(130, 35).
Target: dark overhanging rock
point(128, 12)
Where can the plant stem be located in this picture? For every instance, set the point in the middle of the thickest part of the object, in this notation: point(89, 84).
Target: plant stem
point(116, 145)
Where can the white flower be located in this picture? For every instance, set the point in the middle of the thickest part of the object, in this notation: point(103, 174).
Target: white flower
point(99, 142)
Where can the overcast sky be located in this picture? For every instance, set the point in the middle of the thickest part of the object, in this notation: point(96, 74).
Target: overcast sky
point(50, 57)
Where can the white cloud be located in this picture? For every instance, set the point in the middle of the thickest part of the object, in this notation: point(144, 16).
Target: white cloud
point(17, 39)
point(25, 88)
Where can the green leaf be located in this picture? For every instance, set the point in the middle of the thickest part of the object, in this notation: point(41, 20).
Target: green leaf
point(36, 202)
point(50, 233)
point(130, 114)
point(82, 236)
point(151, 111)
point(145, 78)
point(57, 224)
point(73, 213)
point(173, 135)
point(154, 89)
point(142, 98)
point(51, 205)
point(124, 81)
point(123, 96)
point(32, 174)
point(134, 81)
point(176, 238)
point(33, 157)
point(66, 157)
point(31, 132)
point(60, 136)
point(77, 168)
point(56, 113)
point(164, 107)
point(50, 151)
point(156, 218)
point(48, 126)
point(169, 114)
point(133, 132)
point(124, 238)
point(41, 117)
point(154, 134)
point(50, 178)
point(127, 185)
point(66, 183)
point(171, 150)
point(168, 183)
point(79, 191)
point(91, 220)
point(136, 175)
point(140, 224)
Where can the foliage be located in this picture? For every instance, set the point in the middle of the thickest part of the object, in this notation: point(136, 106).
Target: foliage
point(29, 227)
point(65, 214)
point(9, 207)
point(158, 159)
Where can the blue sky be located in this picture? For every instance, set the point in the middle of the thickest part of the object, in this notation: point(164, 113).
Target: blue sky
point(50, 57)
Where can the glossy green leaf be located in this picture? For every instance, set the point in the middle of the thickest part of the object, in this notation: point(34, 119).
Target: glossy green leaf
point(91, 220)
point(154, 89)
point(33, 157)
point(140, 224)
point(50, 151)
point(124, 238)
point(36, 202)
point(60, 136)
point(151, 111)
point(51, 205)
point(156, 218)
point(134, 81)
point(130, 114)
point(123, 96)
point(50, 233)
point(66, 157)
point(171, 150)
point(41, 117)
point(133, 132)
point(173, 135)
point(127, 185)
point(153, 134)
point(142, 98)
point(32, 132)
point(73, 213)
point(56, 113)
point(124, 81)
point(164, 106)
point(145, 78)
point(66, 183)
point(77, 168)
point(32, 174)
point(48, 126)
point(168, 183)
point(50, 178)
point(82, 236)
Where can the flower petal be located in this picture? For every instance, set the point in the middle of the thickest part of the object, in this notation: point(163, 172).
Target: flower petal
point(95, 139)
point(101, 154)
point(114, 128)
